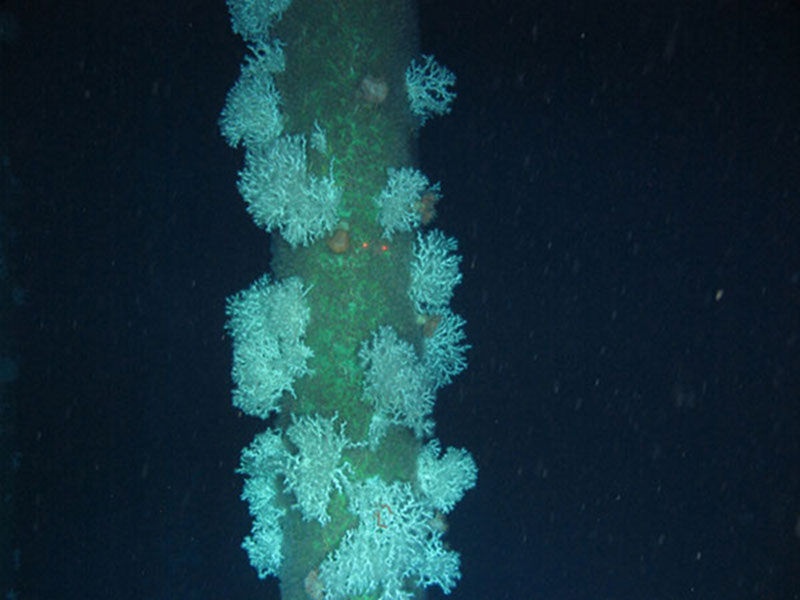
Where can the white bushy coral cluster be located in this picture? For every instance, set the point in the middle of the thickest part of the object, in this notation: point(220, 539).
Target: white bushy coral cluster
point(397, 384)
point(282, 195)
point(251, 114)
point(444, 351)
point(310, 474)
point(444, 480)
point(428, 86)
point(398, 202)
point(434, 276)
point(434, 271)
point(400, 385)
point(260, 463)
point(317, 467)
point(397, 543)
point(397, 540)
point(267, 322)
point(252, 19)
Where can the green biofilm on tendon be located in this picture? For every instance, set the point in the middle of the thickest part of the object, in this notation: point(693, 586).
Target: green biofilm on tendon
point(344, 346)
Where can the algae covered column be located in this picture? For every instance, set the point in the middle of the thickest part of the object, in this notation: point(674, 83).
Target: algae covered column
point(342, 347)
point(344, 83)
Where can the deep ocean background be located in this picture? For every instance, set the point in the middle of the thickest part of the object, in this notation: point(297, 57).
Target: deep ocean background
point(624, 182)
